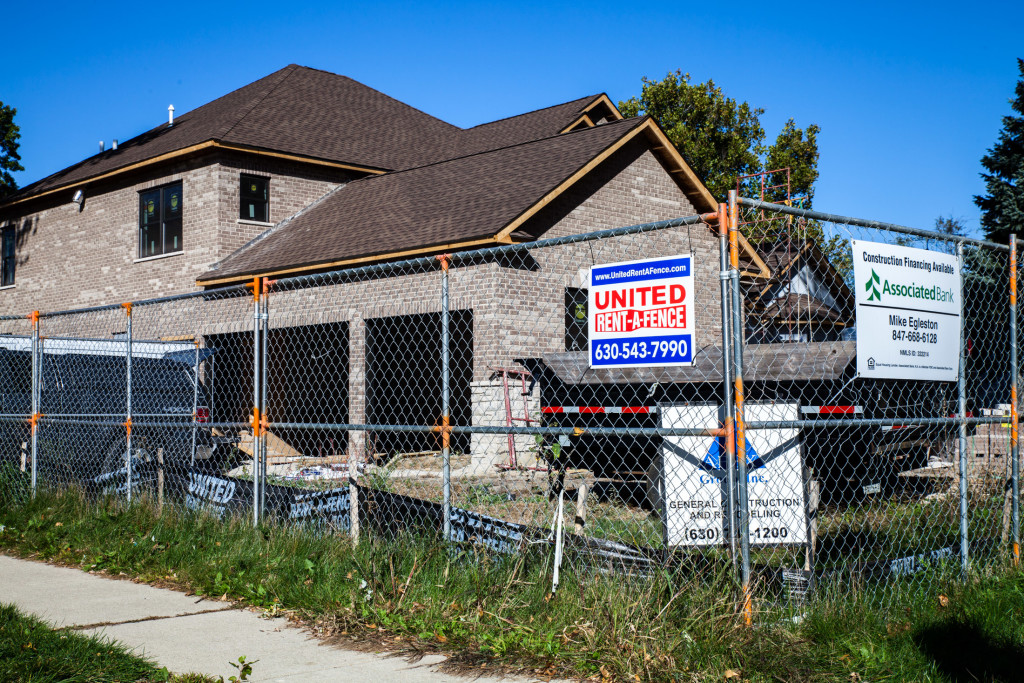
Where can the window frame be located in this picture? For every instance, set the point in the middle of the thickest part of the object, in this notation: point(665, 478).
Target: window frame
point(8, 262)
point(244, 199)
point(576, 331)
point(161, 221)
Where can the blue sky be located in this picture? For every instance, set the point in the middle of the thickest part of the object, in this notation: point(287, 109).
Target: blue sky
point(908, 96)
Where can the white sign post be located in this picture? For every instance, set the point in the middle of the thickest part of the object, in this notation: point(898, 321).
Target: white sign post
point(695, 480)
point(908, 312)
point(641, 313)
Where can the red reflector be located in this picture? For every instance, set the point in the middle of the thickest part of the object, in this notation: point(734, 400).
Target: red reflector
point(549, 410)
point(591, 409)
point(202, 415)
point(838, 410)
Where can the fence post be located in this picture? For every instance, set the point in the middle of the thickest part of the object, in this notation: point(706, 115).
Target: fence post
point(1014, 417)
point(36, 398)
point(256, 423)
point(195, 404)
point(128, 399)
point(741, 440)
point(264, 377)
point(446, 464)
point(725, 276)
point(962, 414)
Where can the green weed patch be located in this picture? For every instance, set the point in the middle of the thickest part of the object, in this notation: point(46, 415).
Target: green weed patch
point(414, 594)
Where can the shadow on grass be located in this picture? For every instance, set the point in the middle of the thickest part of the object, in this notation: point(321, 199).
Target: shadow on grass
point(963, 652)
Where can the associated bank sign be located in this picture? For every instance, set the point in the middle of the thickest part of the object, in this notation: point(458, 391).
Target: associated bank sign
point(908, 312)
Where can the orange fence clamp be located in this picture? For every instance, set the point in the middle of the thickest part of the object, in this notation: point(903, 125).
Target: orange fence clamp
point(257, 423)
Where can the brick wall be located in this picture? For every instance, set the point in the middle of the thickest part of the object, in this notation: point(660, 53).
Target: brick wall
point(517, 301)
point(70, 258)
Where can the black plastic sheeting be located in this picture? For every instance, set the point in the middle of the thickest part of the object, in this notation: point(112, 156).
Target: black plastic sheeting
point(389, 513)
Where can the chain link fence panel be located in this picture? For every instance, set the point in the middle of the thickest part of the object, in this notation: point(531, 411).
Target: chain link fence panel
point(666, 396)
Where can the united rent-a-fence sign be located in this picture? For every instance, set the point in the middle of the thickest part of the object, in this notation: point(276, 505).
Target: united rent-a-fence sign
point(908, 312)
point(641, 313)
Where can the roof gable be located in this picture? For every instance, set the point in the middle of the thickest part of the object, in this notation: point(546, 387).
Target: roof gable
point(534, 125)
point(471, 201)
point(800, 268)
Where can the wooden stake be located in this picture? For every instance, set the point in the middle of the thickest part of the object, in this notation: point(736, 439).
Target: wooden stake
point(160, 479)
point(581, 507)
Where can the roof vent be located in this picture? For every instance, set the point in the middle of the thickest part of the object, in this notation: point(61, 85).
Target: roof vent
point(170, 115)
point(114, 145)
point(101, 145)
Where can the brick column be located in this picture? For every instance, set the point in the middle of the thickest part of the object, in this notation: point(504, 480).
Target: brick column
point(356, 383)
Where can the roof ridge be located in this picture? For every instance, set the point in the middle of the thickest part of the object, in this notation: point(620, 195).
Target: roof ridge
point(379, 92)
point(590, 98)
point(635, 120)
point(289, 70)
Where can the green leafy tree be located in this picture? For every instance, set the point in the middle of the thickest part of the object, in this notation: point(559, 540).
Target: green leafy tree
point(1002, 206)
point(723, 139)
point(719, 137)
point(795, 149)
point(9, 157)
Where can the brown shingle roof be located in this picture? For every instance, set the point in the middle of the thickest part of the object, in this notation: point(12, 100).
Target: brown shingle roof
point(515, 130)
point(456, 201)
point(297, 110)
point(318, 115)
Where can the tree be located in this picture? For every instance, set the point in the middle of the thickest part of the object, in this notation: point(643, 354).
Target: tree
point(1002, 207)
point(797, 150)
point(9, 157)
point(723, 139)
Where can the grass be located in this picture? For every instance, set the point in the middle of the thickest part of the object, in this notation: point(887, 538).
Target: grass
point(32, 651)
point(412, 594)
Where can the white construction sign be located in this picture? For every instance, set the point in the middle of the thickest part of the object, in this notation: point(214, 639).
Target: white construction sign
point(641, 313)
point(908, 312)
point(695, 482)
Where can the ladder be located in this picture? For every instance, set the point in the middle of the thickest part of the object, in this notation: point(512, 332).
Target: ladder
point(510, 419)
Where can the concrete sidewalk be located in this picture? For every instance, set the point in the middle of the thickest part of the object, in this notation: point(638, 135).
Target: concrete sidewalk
point(191, 634)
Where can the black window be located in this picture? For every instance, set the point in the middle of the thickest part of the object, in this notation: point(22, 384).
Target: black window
point(7, 258)
point(254, 194)
point(575, 319)
point(160, 221)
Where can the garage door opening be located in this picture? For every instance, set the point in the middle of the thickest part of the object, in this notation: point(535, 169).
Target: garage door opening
point(307, 382)
point(403, 379)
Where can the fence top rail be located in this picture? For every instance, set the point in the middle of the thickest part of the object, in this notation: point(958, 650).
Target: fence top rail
point(205, 294)
point(867, 223)
point(477, 255)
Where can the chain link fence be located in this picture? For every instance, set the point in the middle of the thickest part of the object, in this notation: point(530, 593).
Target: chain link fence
point(702, 408)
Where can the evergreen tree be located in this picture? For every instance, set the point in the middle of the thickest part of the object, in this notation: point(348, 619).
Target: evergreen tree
point(9, 158)
point(1002, 207)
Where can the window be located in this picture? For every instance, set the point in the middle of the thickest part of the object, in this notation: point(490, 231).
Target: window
point(575, 319)
point(160, 221)
point(254, 195)
point(7, 259)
